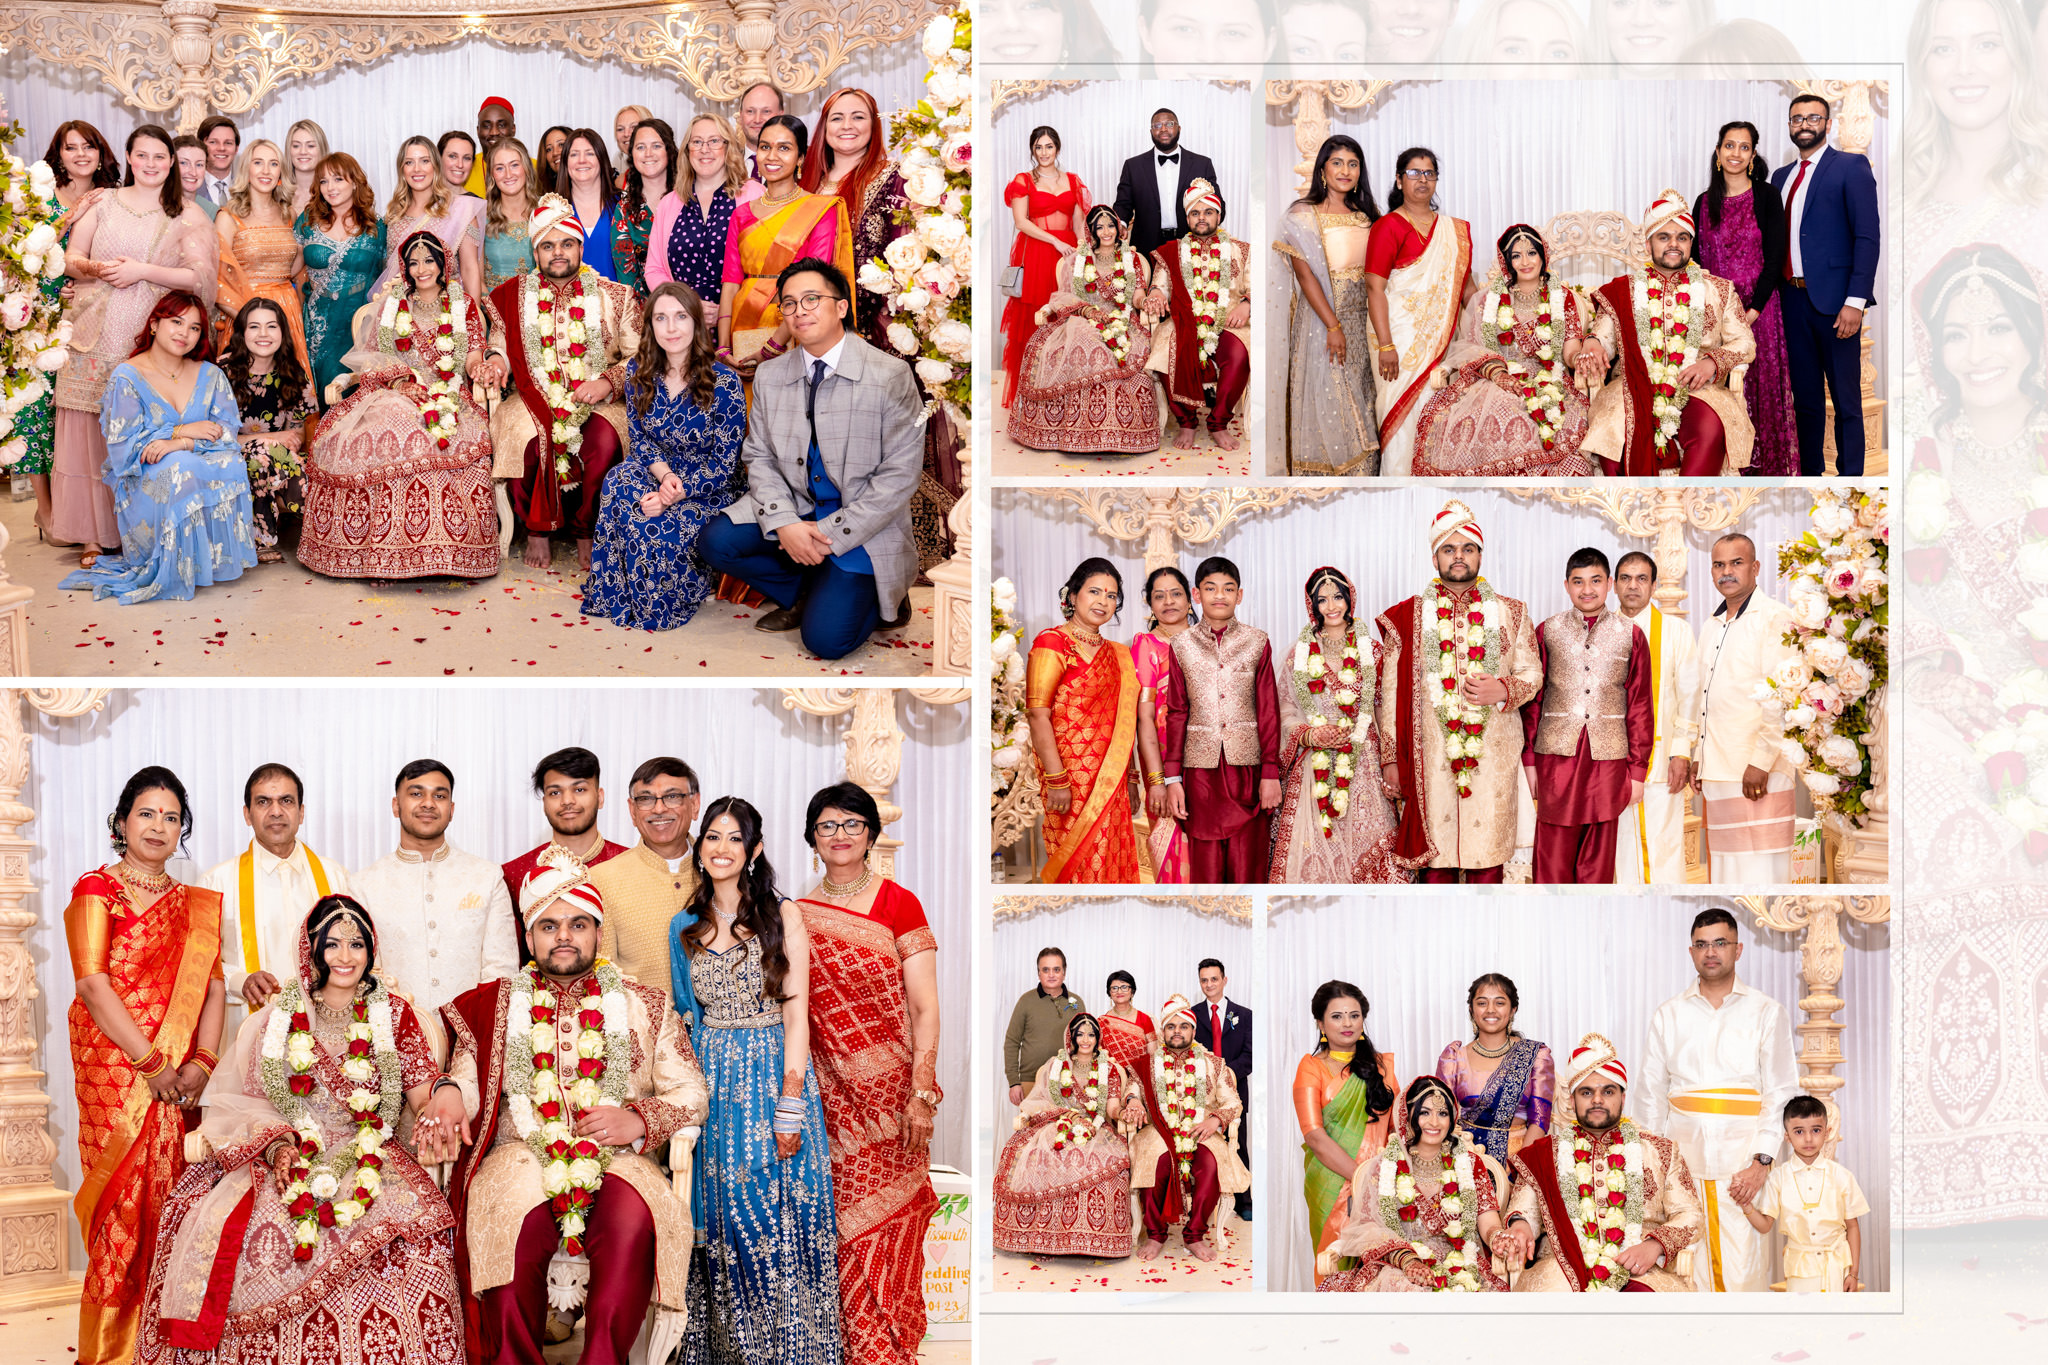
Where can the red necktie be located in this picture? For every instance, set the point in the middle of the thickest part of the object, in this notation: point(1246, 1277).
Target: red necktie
point(1216, 1027)
point(1797, 181)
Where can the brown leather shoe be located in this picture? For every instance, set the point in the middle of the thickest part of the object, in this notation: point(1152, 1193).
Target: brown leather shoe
point(901, 619)
point(781, 619)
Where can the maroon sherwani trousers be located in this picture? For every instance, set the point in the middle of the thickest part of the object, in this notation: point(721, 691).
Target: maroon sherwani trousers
point(1228, 373)
point(1580, 798)
point(588, 467)
point(1453, 876)
point(620, 1244)
point(1702, 443)
point(1207, 1190)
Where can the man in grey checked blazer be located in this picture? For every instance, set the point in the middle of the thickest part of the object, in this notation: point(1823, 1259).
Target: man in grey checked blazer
point(835, 446)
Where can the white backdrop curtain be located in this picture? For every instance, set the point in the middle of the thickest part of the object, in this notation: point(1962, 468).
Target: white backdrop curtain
point(1519, 152)
point(348, 745)
point(1580, 966)
point(368, 111)
point(1378, 536)
point(1105, 123)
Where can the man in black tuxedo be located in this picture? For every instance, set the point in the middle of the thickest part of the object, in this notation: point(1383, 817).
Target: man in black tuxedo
point(1224, 1027)
point(1148, 194)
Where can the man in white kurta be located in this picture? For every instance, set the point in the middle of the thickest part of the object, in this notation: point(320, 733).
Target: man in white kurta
point(1739, 764)
point(1718, 1068)
point(266, 892)
point(444, 919)
point(1651, 846)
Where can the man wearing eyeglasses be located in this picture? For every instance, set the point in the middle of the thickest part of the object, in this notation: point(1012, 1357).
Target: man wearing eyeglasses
point(1830, 279)
point(1149, 193)
point(1717, 1070)
point(835, 446)
point(567, 783)
point(649, 883)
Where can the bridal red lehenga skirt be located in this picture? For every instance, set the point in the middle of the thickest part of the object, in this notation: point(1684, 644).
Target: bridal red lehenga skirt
point(1076, 397)
point(1055, 1198)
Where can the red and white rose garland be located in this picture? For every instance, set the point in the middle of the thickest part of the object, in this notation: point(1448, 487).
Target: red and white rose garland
point(559, 337)
point(1180, 1088)
point(1201, 270)
point(449, 355)
point(1115, 326)
point(1400, 1210)
point(1664, 322)
point(1080, 1100)
point(1608, 1171)
point(1326, 700)
point(1471, 633)
point(339, 1193)
point(545, 1107)
point(1542, 392)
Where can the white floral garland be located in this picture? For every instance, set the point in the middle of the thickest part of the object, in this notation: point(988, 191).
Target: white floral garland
point(1606, 1225)
point(1479, 636)
point(1116, 328)
point(1328, 765)
point(1453, 1272)
point(1092, 1089)
point(572, 1167)
point(1664, 321)
point(1201, 270)
point(559, 371)
point(1183, 1106)
point(1544, 395)
point(451, 354)
point(289, 1054)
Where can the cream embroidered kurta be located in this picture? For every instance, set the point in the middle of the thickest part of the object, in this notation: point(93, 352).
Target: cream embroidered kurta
point(1672, 1218)
point(641, 896)
point(1476, 831)
point(1715, 1081)
point(1722, 333)
point(1813, 1205)
point(665, 1088)
point(1216, 1093)
point(444, 924)
point(285, 892)
point(1657, 822)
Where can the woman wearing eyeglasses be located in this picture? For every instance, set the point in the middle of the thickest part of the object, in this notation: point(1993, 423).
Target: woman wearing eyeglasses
point(874, 987)
point(690, 223)
point(1418, 276)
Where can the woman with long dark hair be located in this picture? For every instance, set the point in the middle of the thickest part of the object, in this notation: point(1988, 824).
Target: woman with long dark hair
point(1063, 1179)
point(275, 397)
point(1503, 1082)
point(1170, 602)
point(766, 1267)
point(649, 176)
point(1344, 1102)
point(587, 182)
point(1418, 277)
point(1045, 202)
point(1331, 425)
point(875, 1042)
point(1081, 702)
point(1744, 238)
point(783, 224)
point(686, 416)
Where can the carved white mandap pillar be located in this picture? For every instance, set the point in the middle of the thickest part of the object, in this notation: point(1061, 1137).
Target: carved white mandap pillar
point(874, 744)
point(191, 24)
point(35, 1234)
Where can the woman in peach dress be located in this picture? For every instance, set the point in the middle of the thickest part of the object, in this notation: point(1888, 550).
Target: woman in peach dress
point(260, 256)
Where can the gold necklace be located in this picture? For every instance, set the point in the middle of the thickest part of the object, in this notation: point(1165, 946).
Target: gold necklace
point(155, 883)
point(838, 892)
point(1085, 634)
point(777, 201)
point(1491, 1055)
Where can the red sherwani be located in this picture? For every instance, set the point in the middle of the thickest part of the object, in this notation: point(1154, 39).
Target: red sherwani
point(1237, 707)
point(1580, 797)
point(1195, 390)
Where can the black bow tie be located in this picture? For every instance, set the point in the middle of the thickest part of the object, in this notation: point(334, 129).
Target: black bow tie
point(1165, 157)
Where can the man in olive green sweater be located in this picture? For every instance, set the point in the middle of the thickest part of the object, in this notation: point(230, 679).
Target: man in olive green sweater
point(1038, 1025)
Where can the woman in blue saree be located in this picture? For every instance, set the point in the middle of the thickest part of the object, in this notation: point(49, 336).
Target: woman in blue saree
point(181, 492)
point(1504, 1082)
point(764, 1278)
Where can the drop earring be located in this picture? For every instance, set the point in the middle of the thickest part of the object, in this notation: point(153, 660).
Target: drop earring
point(814, 860)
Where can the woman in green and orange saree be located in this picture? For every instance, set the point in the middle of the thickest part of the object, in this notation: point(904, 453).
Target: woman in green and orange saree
point(1344, 1095)
point(145, 1037)
point(1081, 702)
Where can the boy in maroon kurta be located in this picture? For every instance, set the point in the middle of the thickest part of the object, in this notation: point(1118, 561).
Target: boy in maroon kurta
point(1587, 734)
point(1221, 746)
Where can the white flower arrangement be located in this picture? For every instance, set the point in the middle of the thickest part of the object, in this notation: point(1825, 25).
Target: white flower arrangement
point(1009, 736)
point(35, 339)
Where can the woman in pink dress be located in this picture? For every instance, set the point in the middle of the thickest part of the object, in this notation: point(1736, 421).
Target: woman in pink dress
point(1169, 599)
point(1044, 202)
point(425, 202)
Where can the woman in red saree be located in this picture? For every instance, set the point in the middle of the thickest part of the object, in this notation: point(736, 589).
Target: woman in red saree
point(1418, 275)
point(1127, 1031)
point(145, 1033)
point(875, 1046)
point(1045, 203)
point(1081, 702)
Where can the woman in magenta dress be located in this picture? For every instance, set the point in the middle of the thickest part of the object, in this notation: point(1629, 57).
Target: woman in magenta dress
point(1169, 599)
point(1743, 238)
point(1045, 203)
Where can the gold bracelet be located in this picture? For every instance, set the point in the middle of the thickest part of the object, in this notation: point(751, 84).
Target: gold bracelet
point(145, 1070)
point(1389, 348)
point(1155, 779)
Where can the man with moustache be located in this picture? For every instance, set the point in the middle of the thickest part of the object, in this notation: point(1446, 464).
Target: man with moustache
point(1150, 192)
point(1452, 755)
point(1651, 846)
point(1678, 333)
point(649, 884)
point(1718, 1069)
point(1601, 1204)
point(1740, 767)
point(266, 892)
point(444, 919)
point(1185, 1092)
point(759, 102)
point(1202, 284)
point(567, 782)
point(1830, 278)
point(493, 125)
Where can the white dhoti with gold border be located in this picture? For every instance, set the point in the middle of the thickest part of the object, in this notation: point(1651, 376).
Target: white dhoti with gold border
point(1715, 1129)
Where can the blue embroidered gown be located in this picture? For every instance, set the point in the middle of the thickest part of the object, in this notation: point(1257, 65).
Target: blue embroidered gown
point(338, 278)
point(647, 572)
point(764, 1277)
point(185, 520)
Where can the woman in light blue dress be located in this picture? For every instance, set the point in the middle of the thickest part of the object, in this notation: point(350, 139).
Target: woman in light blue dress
point(685, 427)
point(764, 1278)
point(508, 249)
point(343, 241)
point(181, 493)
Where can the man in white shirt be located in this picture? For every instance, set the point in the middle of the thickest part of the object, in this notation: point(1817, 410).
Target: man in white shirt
point(267, 891)
point(759, 102)
point(444, 920)
point(1651, 847)
point(645, 886)
point(1740, 767)
point(1717, 1071)
point(222, 141)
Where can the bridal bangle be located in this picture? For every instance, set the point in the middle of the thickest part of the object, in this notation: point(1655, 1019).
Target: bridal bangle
point(151, 1065)
point(1155, 779)
point(206, 1061)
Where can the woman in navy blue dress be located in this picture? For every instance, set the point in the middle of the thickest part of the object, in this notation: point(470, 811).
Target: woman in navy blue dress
point(686, 419)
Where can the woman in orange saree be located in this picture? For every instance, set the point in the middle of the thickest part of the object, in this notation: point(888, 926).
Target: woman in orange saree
point(874, 998)
point(145, 1036)
point(1081, 702)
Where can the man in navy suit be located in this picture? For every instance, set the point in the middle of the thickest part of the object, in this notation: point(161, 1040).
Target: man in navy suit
point(1830, 279)
point(1224, 1027)
point(1148, 194)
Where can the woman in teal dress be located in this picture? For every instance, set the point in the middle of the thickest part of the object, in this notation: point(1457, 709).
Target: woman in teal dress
point(343, 239)
point(181, 494)
point(508, 249)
